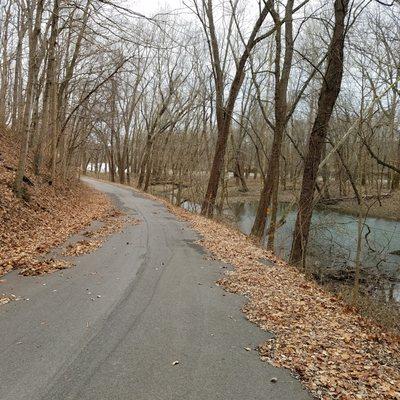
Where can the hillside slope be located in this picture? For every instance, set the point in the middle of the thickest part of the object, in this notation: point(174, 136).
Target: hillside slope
point(46, 216)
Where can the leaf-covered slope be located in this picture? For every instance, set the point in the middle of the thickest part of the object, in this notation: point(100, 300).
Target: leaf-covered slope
point(46, 215)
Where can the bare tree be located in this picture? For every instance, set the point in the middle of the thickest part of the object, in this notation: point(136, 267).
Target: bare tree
point(329, 92)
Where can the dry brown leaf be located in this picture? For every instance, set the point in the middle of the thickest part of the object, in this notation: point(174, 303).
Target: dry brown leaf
point(40, 267)
point(82, 247)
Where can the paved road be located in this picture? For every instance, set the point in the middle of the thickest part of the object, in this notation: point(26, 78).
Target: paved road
point(158, 304)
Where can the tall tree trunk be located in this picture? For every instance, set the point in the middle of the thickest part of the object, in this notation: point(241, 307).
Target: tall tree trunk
point(224, 110)
point(145, 161)
point(280, 111)
point(17, 87)
point(149, 167)
point(30, 87)
point(53, 87)
point(325, 176)
point(329, 92)
point(239, 172)
point(274, 214)
point(5, 66)
point(44, 124)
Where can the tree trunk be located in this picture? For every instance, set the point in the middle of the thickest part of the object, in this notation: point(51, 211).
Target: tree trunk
point(274, 213)
point(207, 207)
point(30, 87)
point(224, 110)
point(17, 87)
point(329, 92)
point(280, 111)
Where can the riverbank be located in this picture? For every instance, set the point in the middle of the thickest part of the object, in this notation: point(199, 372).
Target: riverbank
point(387, 207)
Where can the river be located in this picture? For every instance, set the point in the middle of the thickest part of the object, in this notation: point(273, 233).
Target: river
point(333, 242)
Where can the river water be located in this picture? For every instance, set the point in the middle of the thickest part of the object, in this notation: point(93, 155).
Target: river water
point(333, 242)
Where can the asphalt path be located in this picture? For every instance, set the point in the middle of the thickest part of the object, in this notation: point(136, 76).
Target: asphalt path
point(140, 318)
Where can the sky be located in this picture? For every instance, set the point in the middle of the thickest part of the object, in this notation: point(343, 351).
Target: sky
point(150, 7)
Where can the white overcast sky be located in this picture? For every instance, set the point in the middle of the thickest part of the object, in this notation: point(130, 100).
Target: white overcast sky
point(150, 7)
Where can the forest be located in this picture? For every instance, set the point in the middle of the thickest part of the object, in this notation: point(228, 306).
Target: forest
point(158, 159)
point(281, 118)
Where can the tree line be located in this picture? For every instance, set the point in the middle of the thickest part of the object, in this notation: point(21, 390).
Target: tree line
point(297, 95)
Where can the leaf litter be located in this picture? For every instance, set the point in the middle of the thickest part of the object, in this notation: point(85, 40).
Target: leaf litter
point(40, 267)
point(82, 247)
point(29, 230)
point(113, 222)
point(7, 298)
point(46, 216)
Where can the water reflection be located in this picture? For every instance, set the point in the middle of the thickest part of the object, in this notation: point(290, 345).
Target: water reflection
point(333, 242)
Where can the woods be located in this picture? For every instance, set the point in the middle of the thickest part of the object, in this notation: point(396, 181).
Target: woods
point(288, 105)
point(151, 153)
